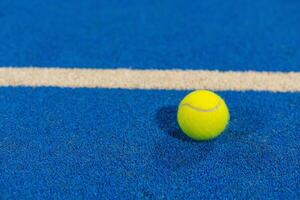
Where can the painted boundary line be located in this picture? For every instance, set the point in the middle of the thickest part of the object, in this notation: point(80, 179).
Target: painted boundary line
point(150, 79)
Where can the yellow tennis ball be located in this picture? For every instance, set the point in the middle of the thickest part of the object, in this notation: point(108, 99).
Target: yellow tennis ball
point(202, 115)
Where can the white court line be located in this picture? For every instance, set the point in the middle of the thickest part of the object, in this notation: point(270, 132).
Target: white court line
point(150, 79)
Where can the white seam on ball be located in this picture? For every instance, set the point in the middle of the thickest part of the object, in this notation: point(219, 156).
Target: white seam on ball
point(203, 110)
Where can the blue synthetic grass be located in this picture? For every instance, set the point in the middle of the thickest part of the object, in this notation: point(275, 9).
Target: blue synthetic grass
point(185, 34)
point(125, 144)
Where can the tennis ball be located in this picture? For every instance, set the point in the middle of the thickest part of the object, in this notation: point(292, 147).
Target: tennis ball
point(202, 115)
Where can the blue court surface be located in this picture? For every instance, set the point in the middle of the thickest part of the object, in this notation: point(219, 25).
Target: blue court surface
point(105, 143)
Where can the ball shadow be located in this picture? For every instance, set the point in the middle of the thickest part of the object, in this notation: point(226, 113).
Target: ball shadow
point(166, 118)
point(180, 153)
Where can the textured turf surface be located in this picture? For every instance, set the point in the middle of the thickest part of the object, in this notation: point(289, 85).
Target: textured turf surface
point(208, 34)
point(125, 144)
point(122, 144)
